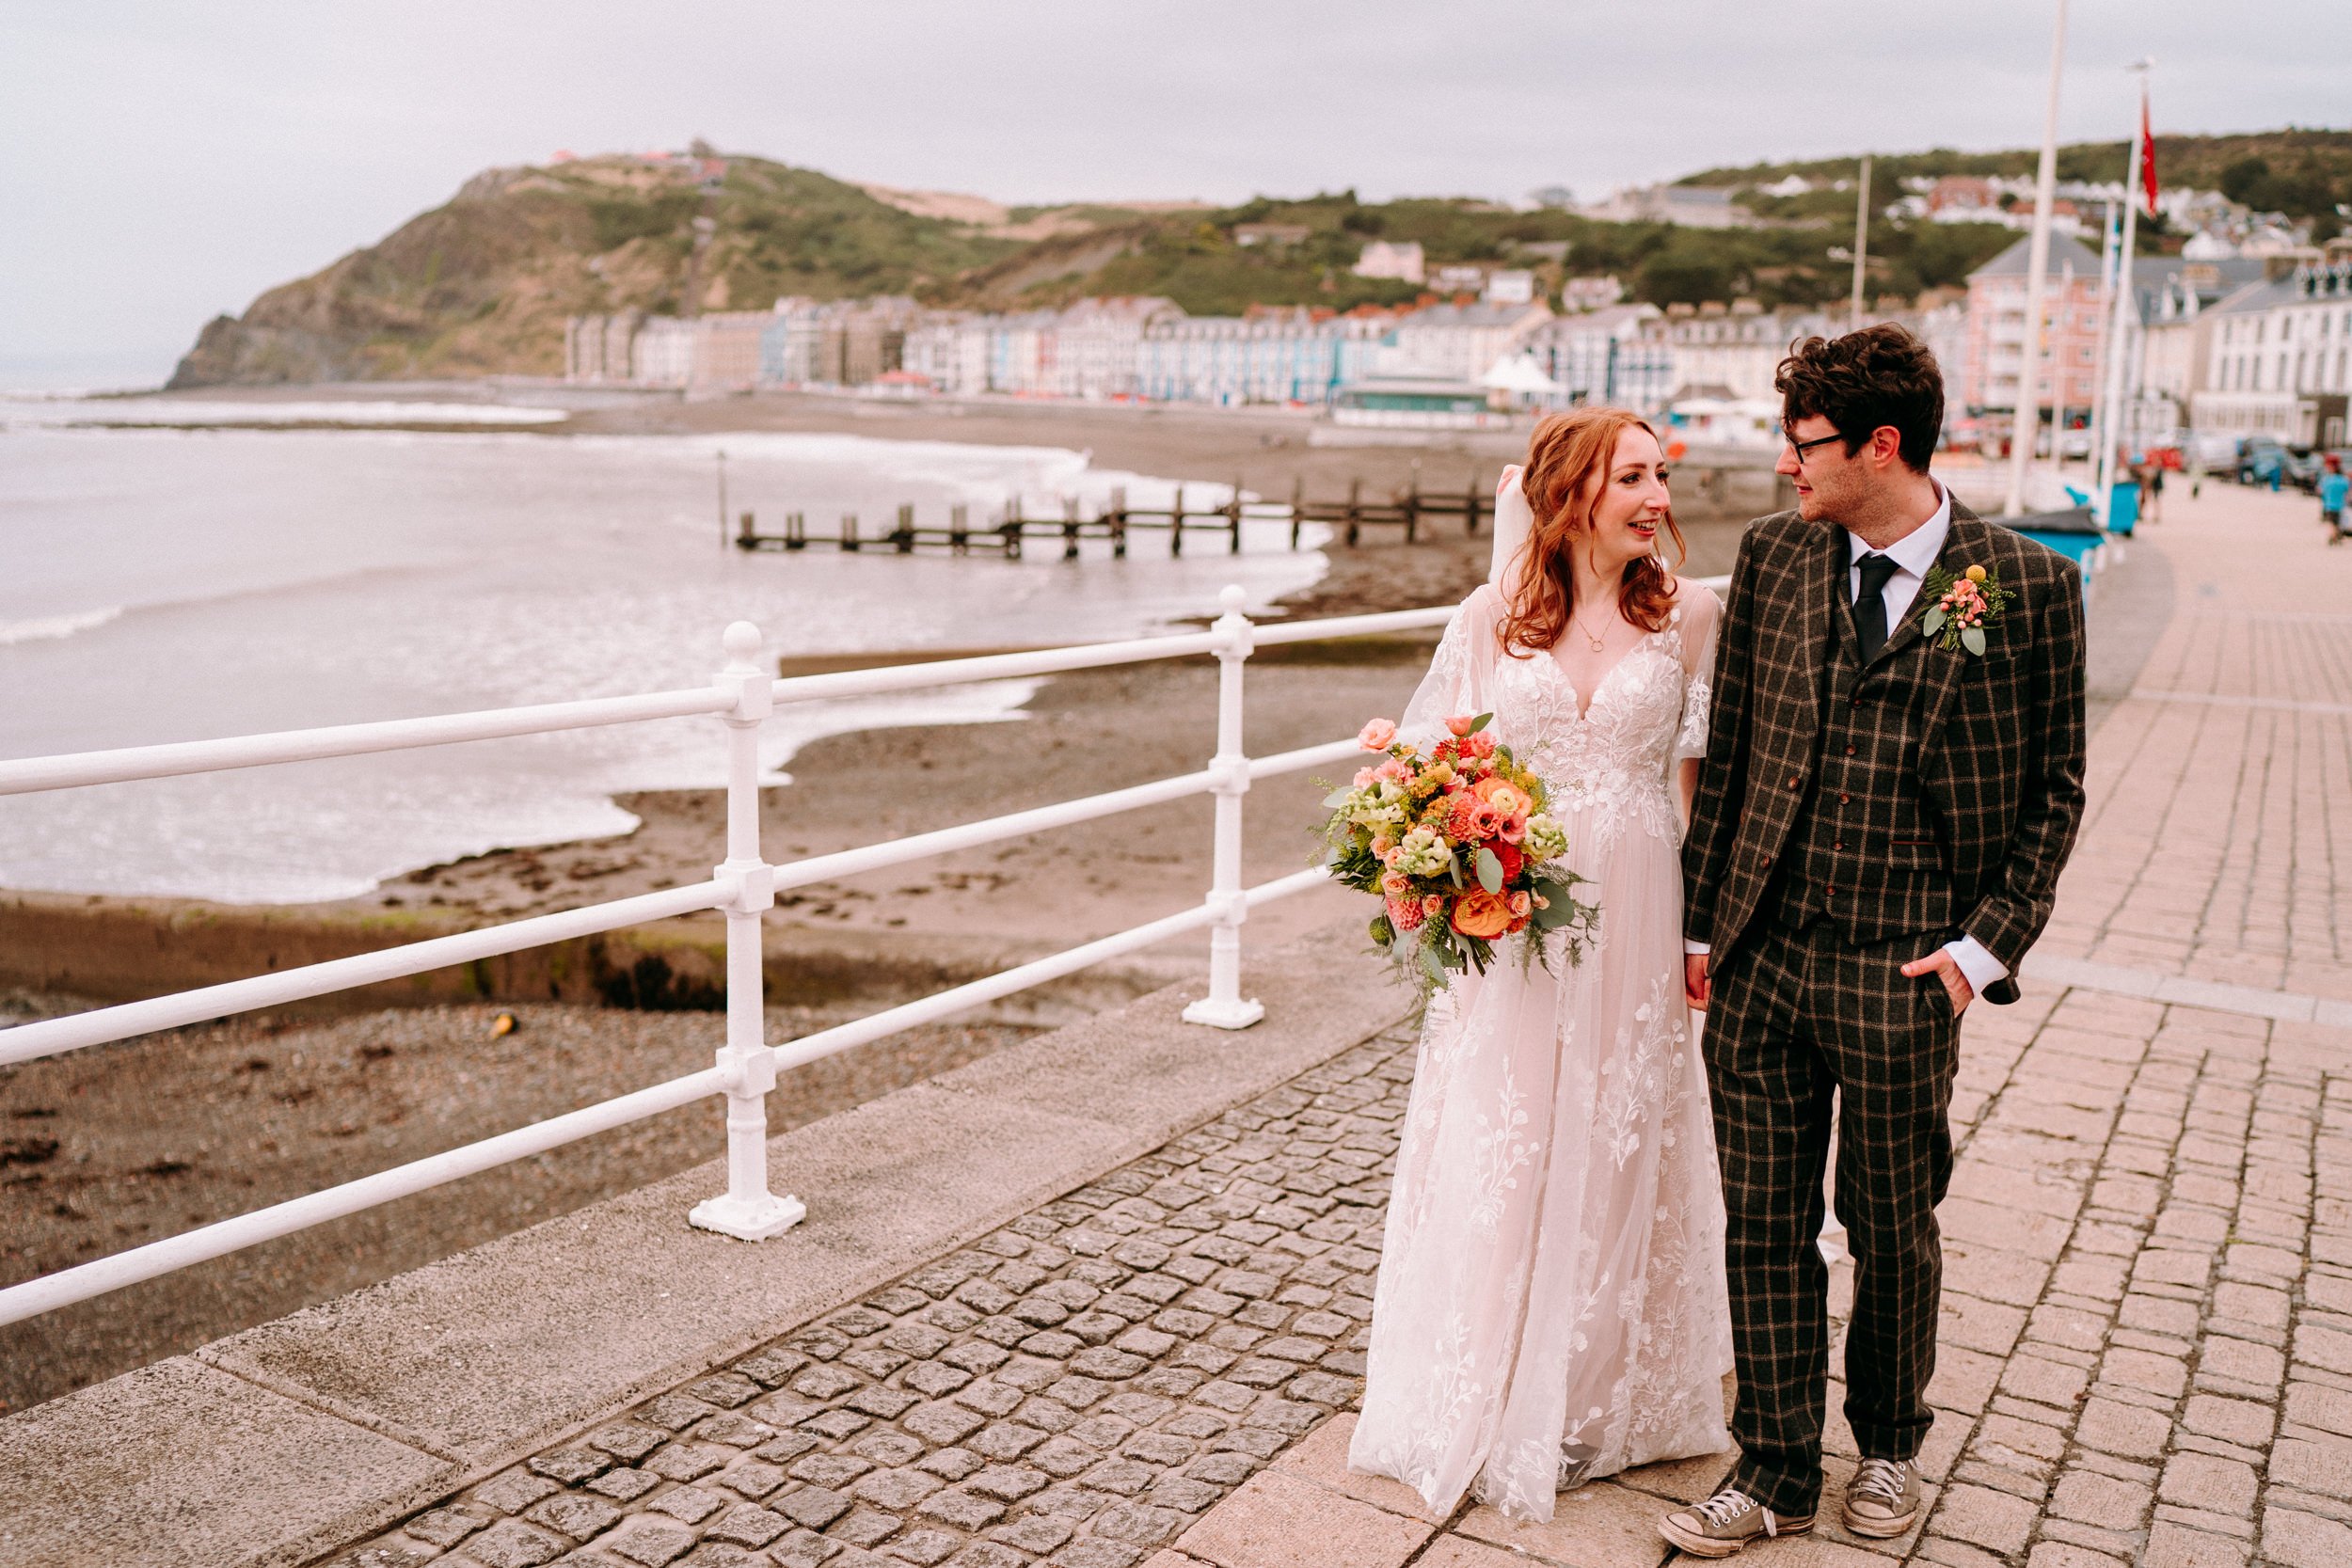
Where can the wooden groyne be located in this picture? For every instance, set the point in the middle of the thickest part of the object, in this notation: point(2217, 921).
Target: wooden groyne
point(1008, 535)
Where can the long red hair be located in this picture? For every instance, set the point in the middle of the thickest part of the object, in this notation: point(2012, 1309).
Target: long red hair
point(1568, 460)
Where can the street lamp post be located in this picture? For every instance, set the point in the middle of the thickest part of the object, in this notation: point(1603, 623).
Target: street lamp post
point(1861, 245)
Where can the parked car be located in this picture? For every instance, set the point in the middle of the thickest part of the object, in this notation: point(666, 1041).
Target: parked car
point(2261, 459)
point(2306, 468)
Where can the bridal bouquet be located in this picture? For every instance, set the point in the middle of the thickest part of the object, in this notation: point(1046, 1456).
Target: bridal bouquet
point(1454, 842)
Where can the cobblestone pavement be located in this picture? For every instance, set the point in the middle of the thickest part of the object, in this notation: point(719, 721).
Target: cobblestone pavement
point(2146, 1351)
point(1078, 1387)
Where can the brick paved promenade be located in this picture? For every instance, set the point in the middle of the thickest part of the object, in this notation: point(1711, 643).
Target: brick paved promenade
point(2146, 1338)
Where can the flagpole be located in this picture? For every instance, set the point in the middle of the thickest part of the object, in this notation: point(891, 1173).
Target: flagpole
point(2022, 425)
point(2120, 324)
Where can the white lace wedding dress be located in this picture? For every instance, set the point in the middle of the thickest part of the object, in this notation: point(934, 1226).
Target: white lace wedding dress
point(1550, 1305)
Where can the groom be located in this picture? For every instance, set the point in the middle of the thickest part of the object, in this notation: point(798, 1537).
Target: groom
point(1893, 781)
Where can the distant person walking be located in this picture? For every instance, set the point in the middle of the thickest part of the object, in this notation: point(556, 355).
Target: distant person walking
point(2332, 487)
point(2151, 492)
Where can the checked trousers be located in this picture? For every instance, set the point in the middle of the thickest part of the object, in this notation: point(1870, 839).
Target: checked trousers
point(1796, 1015)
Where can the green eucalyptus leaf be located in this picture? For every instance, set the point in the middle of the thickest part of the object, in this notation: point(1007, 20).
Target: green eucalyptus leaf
point(1932, 623)
point(1434, 964)
point(1489, 870)
point(1481, 722)
point(1338, 798)
point(1972, 639)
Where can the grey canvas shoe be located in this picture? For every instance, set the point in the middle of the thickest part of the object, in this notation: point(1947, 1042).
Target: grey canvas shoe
point(1727, 1523)
point(1884, 1499)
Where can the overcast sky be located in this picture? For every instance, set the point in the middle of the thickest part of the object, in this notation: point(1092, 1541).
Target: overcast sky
point(162, 163)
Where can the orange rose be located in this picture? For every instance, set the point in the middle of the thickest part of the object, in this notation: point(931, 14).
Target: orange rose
point(1479, 913)
point(1507, 799)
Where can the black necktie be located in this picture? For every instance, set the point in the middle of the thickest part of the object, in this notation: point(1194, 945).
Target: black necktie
point(1869, 609)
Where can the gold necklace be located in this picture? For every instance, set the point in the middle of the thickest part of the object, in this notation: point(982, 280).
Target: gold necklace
point(1597, 644)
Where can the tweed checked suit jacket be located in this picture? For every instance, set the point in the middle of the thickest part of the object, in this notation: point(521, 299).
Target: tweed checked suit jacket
point(2000, 754)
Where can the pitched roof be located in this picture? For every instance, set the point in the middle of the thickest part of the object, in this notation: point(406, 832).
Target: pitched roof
point(2065, 251)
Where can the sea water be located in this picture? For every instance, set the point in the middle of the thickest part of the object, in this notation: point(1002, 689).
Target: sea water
point(176, 584)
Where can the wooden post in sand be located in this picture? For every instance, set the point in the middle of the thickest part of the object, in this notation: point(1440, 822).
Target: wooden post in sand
point(746, 537)
point(1298, 508)
point(1232, 515)
point(1070, 528)
point(1470, 507)
point(1118, 518)
point(904, 535)
point(1355, 512)
point(1176, 525)
point(848, 531)
point(958, 528)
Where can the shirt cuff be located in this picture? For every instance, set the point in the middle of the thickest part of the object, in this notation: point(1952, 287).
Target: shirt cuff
point(1979, 966)
point(1694, 949)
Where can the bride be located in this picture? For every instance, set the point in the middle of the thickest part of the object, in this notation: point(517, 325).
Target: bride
point(1551, 1305)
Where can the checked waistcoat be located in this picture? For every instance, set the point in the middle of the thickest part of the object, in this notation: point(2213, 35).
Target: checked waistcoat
point(1863, 852)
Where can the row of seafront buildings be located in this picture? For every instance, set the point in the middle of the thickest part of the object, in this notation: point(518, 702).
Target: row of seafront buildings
point(1148, 348)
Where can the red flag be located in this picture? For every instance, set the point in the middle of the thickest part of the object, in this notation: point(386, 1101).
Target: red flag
point(2147, 156)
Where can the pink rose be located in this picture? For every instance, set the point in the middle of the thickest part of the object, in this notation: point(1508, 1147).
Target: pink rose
point(1363, 777)
point(1432, 904)
point(1394, 882)
point(1483, 820)
point(1521, 903)
point(1378, 735)
point(1480, 745)
point(1460, 724)
point(1514, 830)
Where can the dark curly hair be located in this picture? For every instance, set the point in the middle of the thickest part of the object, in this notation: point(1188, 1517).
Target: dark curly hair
point(1878, 377)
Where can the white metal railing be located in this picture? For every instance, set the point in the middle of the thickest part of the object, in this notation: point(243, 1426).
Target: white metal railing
point(743, 886)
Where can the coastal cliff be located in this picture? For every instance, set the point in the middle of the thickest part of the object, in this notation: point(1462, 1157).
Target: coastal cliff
point(482, 285)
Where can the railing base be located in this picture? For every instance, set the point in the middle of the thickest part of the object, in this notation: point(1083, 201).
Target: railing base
point(752, 1220)
point(1224, 1015)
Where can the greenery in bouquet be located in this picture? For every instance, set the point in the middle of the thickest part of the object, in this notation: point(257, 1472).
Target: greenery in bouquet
point(1456, 843)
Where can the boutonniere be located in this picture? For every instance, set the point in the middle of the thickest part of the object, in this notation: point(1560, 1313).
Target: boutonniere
point(1960, 607)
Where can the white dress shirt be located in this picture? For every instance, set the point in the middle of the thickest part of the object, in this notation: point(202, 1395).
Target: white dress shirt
point(1913, 554)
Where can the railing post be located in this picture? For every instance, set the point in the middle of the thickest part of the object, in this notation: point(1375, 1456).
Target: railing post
point(747, 1209)
point(1225, 1007)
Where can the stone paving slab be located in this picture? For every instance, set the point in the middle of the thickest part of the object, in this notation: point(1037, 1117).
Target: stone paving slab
point(180, 1453)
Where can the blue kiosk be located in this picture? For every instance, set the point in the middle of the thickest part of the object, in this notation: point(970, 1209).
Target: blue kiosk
point(2072, 532)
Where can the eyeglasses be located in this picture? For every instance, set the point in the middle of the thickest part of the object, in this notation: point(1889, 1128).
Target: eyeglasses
point(1800, 448)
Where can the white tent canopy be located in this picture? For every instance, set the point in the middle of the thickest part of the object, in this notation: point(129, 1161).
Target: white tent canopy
point(1520, 373)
